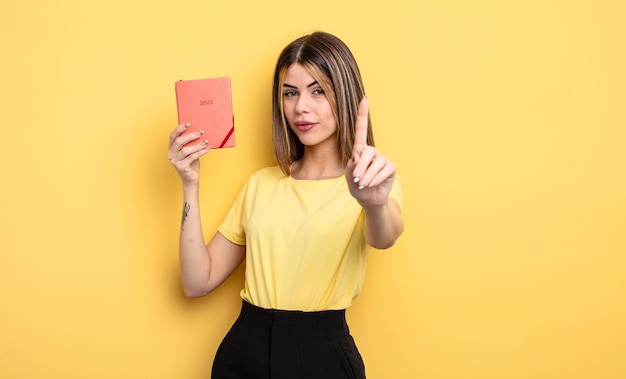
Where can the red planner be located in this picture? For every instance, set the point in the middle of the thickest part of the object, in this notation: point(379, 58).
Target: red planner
point(207, 105)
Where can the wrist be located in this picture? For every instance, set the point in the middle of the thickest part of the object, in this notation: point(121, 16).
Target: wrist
point(374, 209)
point(191, 189)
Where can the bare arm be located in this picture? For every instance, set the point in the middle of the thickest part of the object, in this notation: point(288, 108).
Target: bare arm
point(383, 225)
point(203, 267)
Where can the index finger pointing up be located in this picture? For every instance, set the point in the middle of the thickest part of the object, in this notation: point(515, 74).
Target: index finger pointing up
point(360, 129)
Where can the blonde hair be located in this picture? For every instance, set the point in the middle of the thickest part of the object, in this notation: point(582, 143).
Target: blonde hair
point(331, 63)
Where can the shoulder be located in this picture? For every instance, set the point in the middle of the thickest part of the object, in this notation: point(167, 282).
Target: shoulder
point(272, 174)
point(268, 172)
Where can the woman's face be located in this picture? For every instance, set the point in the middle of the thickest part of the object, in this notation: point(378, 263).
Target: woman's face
point(307, 109)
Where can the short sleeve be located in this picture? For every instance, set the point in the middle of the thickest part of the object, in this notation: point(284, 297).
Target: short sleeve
point(233, 225)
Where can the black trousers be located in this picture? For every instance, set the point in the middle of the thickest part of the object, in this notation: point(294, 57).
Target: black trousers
point(277, 344)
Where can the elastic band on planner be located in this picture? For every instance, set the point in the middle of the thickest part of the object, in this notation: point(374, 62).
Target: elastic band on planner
point(230, 132)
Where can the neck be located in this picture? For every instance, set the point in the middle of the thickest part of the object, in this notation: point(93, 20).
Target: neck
point(317, 165)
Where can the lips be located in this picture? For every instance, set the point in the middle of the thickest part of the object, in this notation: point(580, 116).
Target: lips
point(304, 125)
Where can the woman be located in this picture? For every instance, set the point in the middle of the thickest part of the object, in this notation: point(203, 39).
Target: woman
point(304, 226)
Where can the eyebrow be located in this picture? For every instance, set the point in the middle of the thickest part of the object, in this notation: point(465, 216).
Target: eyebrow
point(292, 86)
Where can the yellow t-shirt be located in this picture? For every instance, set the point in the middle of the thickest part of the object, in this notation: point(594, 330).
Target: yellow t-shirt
point(305, 245)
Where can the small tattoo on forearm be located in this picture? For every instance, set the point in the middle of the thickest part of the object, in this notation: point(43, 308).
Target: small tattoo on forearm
point(186, 208)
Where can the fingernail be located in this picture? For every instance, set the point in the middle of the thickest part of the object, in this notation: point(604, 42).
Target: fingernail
point(187, 125)
point(361, 187)
point(356, 179)
point(206, 141)
point(201, 132)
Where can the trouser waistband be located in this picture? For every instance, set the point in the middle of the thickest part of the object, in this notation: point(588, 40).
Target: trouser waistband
point(328, 324)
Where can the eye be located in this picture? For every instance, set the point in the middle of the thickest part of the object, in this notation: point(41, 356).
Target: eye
point(290, 93)
point(318, 91)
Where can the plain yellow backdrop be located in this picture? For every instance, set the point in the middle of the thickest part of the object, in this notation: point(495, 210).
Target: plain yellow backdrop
point(507, 120)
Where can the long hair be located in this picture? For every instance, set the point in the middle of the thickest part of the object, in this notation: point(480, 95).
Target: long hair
point(331, 63)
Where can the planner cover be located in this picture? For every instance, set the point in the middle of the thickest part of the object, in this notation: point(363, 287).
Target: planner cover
point(207, 105)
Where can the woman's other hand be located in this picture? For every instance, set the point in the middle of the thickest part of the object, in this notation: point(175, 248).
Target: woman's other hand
point(370, 175)
point(185, 159)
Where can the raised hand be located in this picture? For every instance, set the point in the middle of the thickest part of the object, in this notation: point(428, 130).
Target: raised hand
point(370, 174)
point(185, 158)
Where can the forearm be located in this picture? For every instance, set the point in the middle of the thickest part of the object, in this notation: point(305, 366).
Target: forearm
point(383, 225)
point(194, 257)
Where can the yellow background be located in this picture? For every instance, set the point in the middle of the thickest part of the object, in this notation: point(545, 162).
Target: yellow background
point(507, 120)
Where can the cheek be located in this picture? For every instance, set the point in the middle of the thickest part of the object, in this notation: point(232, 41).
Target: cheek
point(288, 110)
point(285, 106)
point(328, 113)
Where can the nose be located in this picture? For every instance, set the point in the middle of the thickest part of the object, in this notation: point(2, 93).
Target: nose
point(302, 104)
